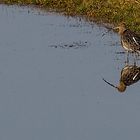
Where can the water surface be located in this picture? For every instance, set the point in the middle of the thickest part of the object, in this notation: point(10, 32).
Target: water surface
point(51, 86)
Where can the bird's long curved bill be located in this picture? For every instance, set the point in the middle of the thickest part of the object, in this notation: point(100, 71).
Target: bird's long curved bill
point(109, 83)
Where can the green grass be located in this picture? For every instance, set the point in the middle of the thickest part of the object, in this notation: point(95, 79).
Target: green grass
point(110, 11)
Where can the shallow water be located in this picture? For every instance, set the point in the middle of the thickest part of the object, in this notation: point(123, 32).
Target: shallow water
point(51, 87)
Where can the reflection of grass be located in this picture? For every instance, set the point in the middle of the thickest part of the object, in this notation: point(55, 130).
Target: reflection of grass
point(112, 11)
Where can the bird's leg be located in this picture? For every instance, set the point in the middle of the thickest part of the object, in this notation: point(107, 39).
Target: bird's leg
point(127, 57)
point(135, 61)
point(135, 57)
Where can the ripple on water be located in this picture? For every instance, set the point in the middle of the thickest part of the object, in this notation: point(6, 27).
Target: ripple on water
point(73, 45)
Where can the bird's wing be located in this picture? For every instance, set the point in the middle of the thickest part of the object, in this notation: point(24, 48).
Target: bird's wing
point(136, 39)
point(130, 75)
point(132, 38)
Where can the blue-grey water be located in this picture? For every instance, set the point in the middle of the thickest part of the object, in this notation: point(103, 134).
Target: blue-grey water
point(51, 87)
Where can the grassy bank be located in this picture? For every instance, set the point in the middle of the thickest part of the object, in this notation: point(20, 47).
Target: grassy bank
point(111, 11)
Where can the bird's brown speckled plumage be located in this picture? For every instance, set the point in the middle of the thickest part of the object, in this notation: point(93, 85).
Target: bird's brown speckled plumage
point(129, 75)
point(130, 40)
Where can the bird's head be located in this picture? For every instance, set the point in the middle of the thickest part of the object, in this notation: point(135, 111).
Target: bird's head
point(121, 87)
point(121, 28)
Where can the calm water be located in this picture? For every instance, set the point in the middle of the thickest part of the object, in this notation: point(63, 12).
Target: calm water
point(51, 86)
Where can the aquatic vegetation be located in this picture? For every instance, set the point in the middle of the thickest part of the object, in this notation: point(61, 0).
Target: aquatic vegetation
point(111, 11)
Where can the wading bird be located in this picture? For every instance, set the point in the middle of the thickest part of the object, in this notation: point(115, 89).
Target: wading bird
point(130, 40)
point(130, 74)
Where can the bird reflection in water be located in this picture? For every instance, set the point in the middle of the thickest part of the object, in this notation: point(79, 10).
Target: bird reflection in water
point(130, 74)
